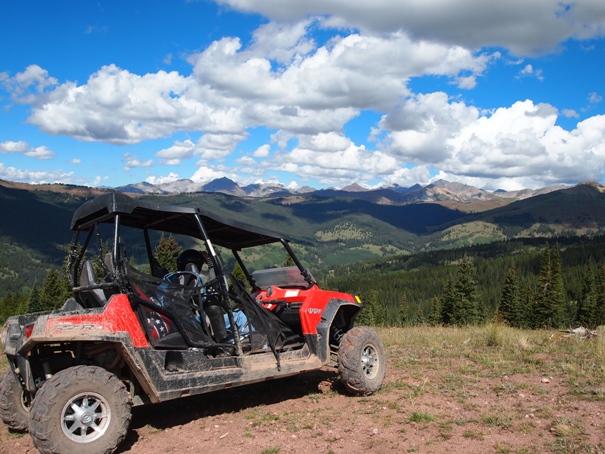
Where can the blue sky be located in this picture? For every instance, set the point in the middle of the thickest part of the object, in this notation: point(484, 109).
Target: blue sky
point(320, 93)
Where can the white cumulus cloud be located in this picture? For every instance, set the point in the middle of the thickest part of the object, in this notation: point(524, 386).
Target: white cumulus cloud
point(23, 148)
point(133, 162)
point(157, 179)
point(521, 26)
point(521, 144)
point(33, 176)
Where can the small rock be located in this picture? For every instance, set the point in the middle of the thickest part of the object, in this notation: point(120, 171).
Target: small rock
point(374, 431)
point(545, 380)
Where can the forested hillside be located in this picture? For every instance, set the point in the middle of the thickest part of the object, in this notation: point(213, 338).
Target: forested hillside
point(413, 249)
point(34, 232)
point(568, 274)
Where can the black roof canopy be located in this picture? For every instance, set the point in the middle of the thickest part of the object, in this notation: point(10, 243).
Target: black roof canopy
point(170, 218)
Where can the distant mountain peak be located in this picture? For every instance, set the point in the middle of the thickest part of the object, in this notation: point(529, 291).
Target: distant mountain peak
point(220, 183)
point(594, 184)
point(354, 188)
point(224, 185)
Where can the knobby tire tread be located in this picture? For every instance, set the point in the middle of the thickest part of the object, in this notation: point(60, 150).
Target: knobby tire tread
point(11, 410)
point(41, 426)
point(349, 361)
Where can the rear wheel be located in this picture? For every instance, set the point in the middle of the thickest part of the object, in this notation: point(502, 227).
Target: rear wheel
point(81, 409)
point(14, 403)
point(362, 361)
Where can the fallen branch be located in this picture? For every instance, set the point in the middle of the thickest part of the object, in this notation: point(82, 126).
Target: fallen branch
point(579, 332)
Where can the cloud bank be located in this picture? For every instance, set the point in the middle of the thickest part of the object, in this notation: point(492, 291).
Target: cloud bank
point(306, 91)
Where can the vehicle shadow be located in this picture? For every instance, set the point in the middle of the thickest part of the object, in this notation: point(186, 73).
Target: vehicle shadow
point(182, 411)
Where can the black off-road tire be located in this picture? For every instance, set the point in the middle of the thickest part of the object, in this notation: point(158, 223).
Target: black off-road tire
point(14, 403)
point(361, 361)
point(82, 409)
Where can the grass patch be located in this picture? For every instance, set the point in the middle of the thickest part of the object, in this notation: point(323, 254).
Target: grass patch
point(260, 416)
point(421, 416)
point(495, 420)
point(473, 434)
point(272, 450)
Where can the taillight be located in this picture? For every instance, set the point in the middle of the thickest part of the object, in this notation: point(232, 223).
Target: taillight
point(28, 330)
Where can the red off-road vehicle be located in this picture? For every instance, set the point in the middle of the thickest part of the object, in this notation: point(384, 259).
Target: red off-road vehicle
point(134, 334)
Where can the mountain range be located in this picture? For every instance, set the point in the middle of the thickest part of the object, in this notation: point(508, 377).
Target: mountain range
point(328, 226)
point(441, 190)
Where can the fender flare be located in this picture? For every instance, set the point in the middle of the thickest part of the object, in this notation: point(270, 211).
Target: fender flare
point(339, 314)
point(120, 341)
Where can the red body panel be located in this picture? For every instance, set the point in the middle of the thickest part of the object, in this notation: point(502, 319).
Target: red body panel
point(314, 301)
point(118, 316)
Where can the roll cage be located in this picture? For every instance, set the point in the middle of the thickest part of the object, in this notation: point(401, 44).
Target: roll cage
point(101, 224)
point(123, 211)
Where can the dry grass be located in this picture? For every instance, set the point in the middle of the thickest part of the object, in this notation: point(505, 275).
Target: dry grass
point(537, 386)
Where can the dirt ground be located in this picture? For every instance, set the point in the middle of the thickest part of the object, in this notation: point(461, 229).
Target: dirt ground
point(453, 405)
point(308, 414)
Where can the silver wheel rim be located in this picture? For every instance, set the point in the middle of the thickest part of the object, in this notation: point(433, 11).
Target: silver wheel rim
point(369, 361)
point(85, 417)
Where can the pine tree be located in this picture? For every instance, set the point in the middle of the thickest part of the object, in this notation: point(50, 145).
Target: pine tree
point(509, 308)
point(600, 299)
point(587, 304)
point(13, 304)
point(542, 316)
point(288, 261)
point(465, 308)
point(238, 273)
point(420, 318)
point(55, 290)
point(527, 302)
point(557, 295)
point(403, 310)
point(550, 296)
point(367, 316)
point(381, 316)
point(34, 304)
point(167, 251)
point(7, 306)
point(435, 312)
point(446, 302)
point(22, 300)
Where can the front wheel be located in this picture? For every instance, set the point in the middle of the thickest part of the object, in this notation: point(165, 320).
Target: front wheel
point(81, 409)
point(362, 361)
point(14, 403)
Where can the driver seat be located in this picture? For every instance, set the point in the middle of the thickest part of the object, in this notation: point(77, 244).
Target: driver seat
point(90, 297)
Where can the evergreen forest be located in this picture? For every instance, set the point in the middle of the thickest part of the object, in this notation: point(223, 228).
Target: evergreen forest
point(526, 283)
